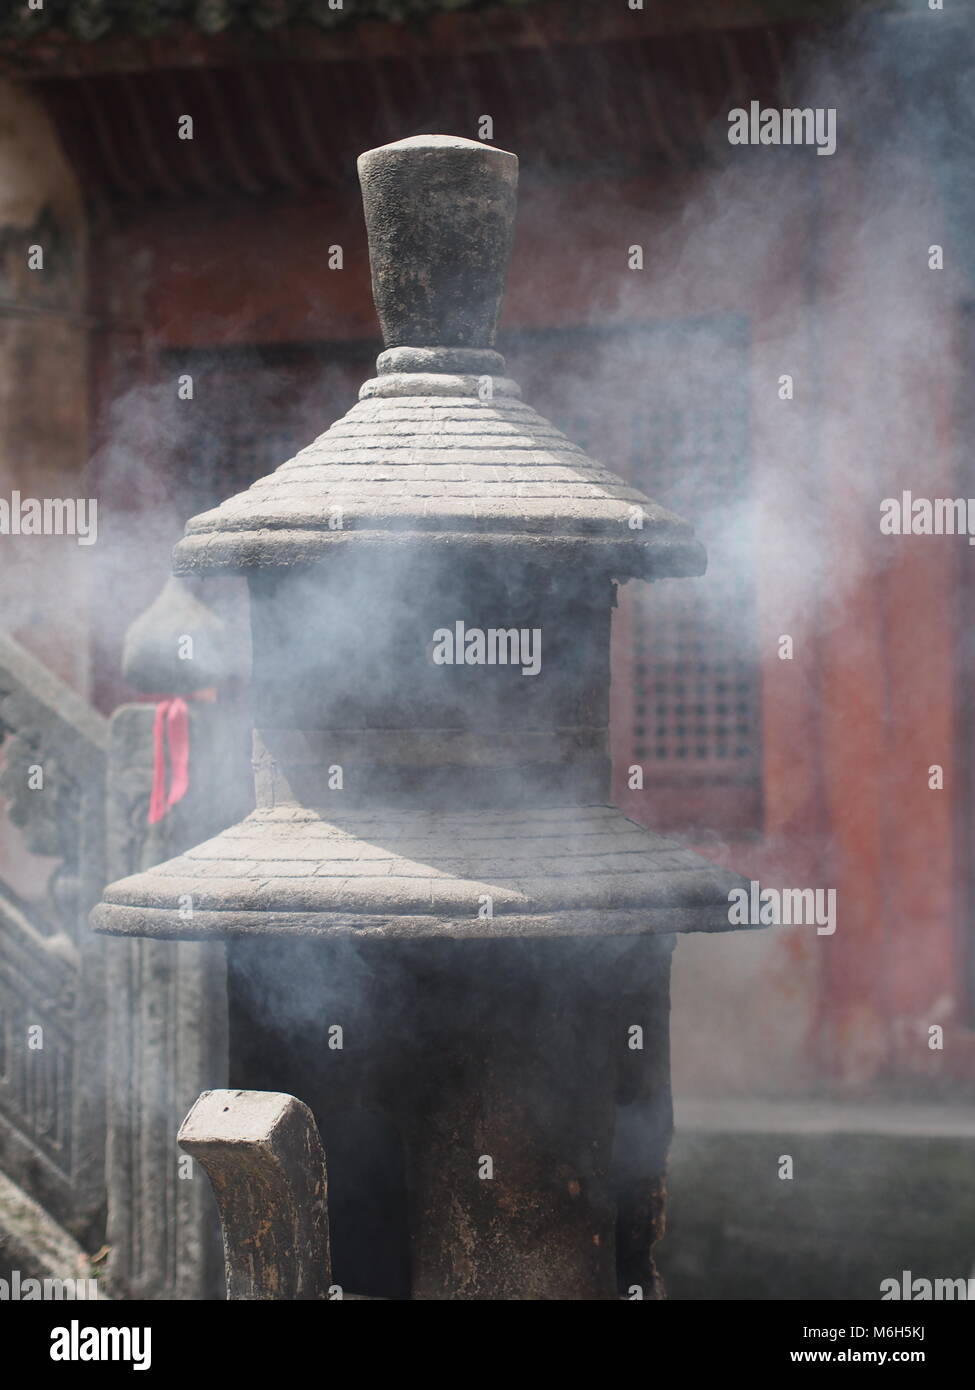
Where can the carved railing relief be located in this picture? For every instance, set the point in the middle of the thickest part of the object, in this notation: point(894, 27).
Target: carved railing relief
point(52, 993)
point(105, 1045)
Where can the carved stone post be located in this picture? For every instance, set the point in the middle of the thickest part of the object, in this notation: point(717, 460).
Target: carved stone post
point(264, 1158)
point(167, 1000)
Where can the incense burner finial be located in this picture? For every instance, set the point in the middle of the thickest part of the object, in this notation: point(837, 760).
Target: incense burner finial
point(439, 213)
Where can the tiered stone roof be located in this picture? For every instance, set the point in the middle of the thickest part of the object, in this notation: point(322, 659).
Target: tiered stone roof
point(422, 456)
point(297, 871)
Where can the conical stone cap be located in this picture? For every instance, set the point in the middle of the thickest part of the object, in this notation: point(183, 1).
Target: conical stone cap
point(151, 660)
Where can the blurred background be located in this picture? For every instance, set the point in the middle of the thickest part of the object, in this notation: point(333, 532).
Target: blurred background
point(763, 338)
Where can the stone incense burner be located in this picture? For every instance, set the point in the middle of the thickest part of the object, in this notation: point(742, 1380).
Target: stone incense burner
point(440, 935)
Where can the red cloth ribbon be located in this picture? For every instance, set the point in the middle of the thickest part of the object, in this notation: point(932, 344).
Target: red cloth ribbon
point(172, 719)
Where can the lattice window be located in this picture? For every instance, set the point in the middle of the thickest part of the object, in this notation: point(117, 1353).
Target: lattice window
point(695, 694)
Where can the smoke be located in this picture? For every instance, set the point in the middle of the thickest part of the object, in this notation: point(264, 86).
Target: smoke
point(787, 358)
point(783, 360)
